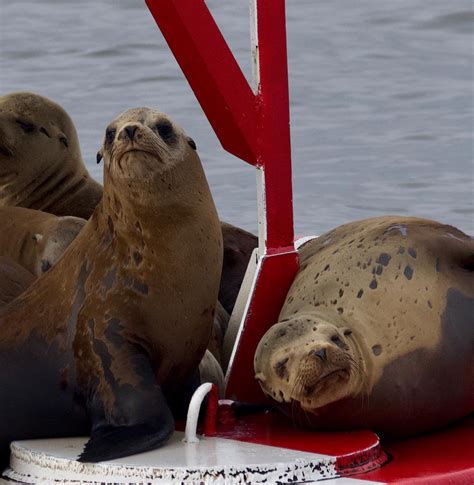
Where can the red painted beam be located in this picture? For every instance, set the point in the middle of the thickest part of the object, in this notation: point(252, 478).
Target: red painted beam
point(274, 124)
point(274, 279)
point(255, 128)
point(212, 71)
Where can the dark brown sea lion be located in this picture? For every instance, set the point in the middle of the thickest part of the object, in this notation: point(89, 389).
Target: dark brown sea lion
point(377, 330)
point(36, 239)
point(127, 312)
point(238, 247)
point(41, 166)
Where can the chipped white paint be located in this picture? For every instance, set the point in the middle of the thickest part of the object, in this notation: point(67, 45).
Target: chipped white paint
point(194, 407)
point(211, 461)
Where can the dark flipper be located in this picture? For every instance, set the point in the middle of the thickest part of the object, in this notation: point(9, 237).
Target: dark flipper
point(111, 442)
point(126, 419)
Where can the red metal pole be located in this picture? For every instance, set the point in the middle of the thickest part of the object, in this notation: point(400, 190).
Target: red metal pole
point(255, 128)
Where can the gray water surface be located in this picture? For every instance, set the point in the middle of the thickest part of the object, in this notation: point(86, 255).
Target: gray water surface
point(381, 97)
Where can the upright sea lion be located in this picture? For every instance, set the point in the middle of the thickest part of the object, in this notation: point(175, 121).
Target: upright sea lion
point(127, 311)
point(36, 239)
point(41, 166)
point(377, 330)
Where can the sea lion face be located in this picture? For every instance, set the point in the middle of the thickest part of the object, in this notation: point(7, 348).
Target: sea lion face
point(141, 144)
point(35, 135)
point(308, 360)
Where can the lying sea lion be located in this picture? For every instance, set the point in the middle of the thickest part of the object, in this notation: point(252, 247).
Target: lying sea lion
point(36, 239)
point(125, 315)
point(41, 166)
point(377, 330)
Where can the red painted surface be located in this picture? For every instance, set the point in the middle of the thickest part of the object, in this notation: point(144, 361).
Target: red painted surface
point(355, 452)
point(442, 457)
point(254, 127)
point(276, 275)
point(210, 421)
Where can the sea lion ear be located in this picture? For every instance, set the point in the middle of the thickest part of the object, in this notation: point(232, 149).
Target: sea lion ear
point(191, 143)
point(99, 156)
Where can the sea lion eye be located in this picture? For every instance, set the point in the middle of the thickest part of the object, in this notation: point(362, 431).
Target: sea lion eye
point(166, 131)
point(64, 141)
point(191, 143)
point(347, 333)
point(337, 340)
point(25, 126)
point(110, 135)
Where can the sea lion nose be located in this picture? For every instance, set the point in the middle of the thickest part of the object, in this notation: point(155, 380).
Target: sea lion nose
point(130, 131)
point(321, 353)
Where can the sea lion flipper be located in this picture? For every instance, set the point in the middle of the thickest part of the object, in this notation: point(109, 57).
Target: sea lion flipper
point(138, 429)
point(127, 419)
point(111, 442)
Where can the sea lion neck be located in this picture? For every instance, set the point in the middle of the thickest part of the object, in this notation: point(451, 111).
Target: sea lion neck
point(169, 196)
point(83, 193)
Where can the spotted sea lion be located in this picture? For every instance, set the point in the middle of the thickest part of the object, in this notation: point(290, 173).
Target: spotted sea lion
point(41, 166)
point(36, 239)
point(377, 329)
point(125, 315)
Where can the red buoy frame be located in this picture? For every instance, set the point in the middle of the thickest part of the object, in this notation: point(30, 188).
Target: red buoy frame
point(254, 125)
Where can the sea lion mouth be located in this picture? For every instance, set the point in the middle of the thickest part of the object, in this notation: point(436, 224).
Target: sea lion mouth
point(329, 379)
point(140, 150)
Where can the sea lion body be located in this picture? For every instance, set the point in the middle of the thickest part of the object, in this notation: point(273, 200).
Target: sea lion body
point(238, 247)
point(36, 239)
point(41, 166)
point(127, 311)
point(377, 329)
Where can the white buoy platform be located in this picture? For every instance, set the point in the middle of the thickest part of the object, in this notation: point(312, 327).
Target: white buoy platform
point(184, 459)
point(210, 461)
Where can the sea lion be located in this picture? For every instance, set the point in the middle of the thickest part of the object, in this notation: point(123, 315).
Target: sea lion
point(36, 239)
point(41, 166)
point(238, 247)
point(125, 315)
point(377, 329)
point(14, 280)
point(220, 323)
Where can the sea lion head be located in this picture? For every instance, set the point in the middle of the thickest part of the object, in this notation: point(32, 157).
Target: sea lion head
point(37, 139)
point(309, 360)
point(141, 145)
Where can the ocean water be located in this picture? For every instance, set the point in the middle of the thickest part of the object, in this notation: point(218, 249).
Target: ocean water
point(381, 97)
